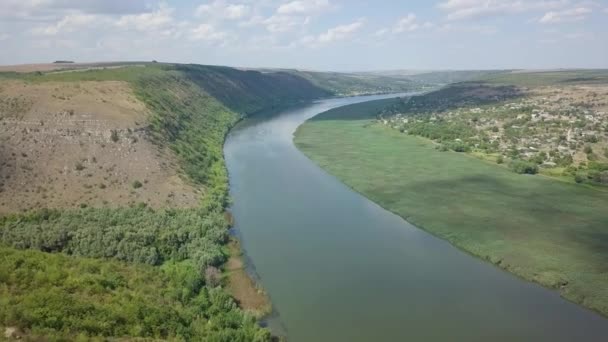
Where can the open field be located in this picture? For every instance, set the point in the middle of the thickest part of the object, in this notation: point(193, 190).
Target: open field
point(58, 67)
point(543, 230)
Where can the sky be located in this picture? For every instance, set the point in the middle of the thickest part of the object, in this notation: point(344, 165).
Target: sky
point(339, 35)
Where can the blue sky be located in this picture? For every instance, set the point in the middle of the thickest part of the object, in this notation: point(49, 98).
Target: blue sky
point(336, 35)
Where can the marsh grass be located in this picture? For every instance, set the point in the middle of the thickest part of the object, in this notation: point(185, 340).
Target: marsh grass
point(543, 230)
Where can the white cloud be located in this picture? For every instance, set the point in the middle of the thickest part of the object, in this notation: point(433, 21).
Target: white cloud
point(565, 16)
point(408, 23)
point(335, 34)
point(207, 33)
point(159, 19)
point(68, 24)
point(340, 32)
point(291, 15)
point(471, 9)
point(284, 23)
point(299, 7)
point(219, 9)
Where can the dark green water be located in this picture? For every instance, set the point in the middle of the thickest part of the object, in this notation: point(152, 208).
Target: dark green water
point(340, 268)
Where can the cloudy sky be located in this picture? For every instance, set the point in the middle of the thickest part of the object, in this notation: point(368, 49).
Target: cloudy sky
point(314, 34)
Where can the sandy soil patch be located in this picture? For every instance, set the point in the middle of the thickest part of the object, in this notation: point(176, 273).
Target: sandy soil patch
point(246, 292)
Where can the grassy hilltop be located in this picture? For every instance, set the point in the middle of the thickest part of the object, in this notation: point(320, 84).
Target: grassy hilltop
point(113, 192)
point(545, 229)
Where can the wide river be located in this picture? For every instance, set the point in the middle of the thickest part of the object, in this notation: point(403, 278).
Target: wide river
point(340, 268)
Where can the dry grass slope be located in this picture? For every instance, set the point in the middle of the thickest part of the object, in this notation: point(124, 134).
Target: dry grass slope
point(82, 144)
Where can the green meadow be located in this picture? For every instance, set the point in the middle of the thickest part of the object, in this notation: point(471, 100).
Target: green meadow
point(541, 229)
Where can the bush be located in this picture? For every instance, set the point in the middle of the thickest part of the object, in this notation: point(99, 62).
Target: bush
point(79, 166)
point(580, 177)
point(588, 149)
point(591, 139)
point(136, 234)
point(114, 135)
point(524, 167)
point(137, 184)
point(604, 177)
point(500, 160)
point(564, 161)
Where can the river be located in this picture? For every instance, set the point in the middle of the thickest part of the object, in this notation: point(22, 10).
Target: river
point(340, 268)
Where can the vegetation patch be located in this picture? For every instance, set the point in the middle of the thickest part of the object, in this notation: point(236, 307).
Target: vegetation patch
point(57, 297)
point(181, 249)
point(551, 232)
point(129, 133)
point(242, 287)
point(556, 120)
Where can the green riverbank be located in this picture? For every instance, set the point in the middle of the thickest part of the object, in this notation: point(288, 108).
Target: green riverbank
point(540, 229)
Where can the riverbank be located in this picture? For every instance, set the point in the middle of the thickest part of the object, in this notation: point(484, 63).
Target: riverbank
point(540, 229)
point(241, 285)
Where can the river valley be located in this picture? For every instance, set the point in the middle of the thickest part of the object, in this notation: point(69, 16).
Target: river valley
point(340, 268)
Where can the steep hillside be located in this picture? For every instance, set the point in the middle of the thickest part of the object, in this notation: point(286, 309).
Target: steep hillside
point(130, 161)
point(351, 84)
point(454, 76)
point(66, 144)
point(248, 91)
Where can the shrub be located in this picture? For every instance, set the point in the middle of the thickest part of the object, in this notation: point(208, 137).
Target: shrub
point(137, 184)
point(524, 167)
point(591, 139)
point(580, 177)
point(114, 136)
point(500, 160)
point(213, 276)
point(604, 177)
point(79, 166)
point(588, 149)
point(598, 166)
point(564, 161)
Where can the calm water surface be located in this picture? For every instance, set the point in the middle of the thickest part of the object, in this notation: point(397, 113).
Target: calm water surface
point(340, 268)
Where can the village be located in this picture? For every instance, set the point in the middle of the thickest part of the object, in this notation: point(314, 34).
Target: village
point(562, 130)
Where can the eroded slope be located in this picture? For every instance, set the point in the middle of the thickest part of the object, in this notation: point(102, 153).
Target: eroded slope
point(82, 144)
